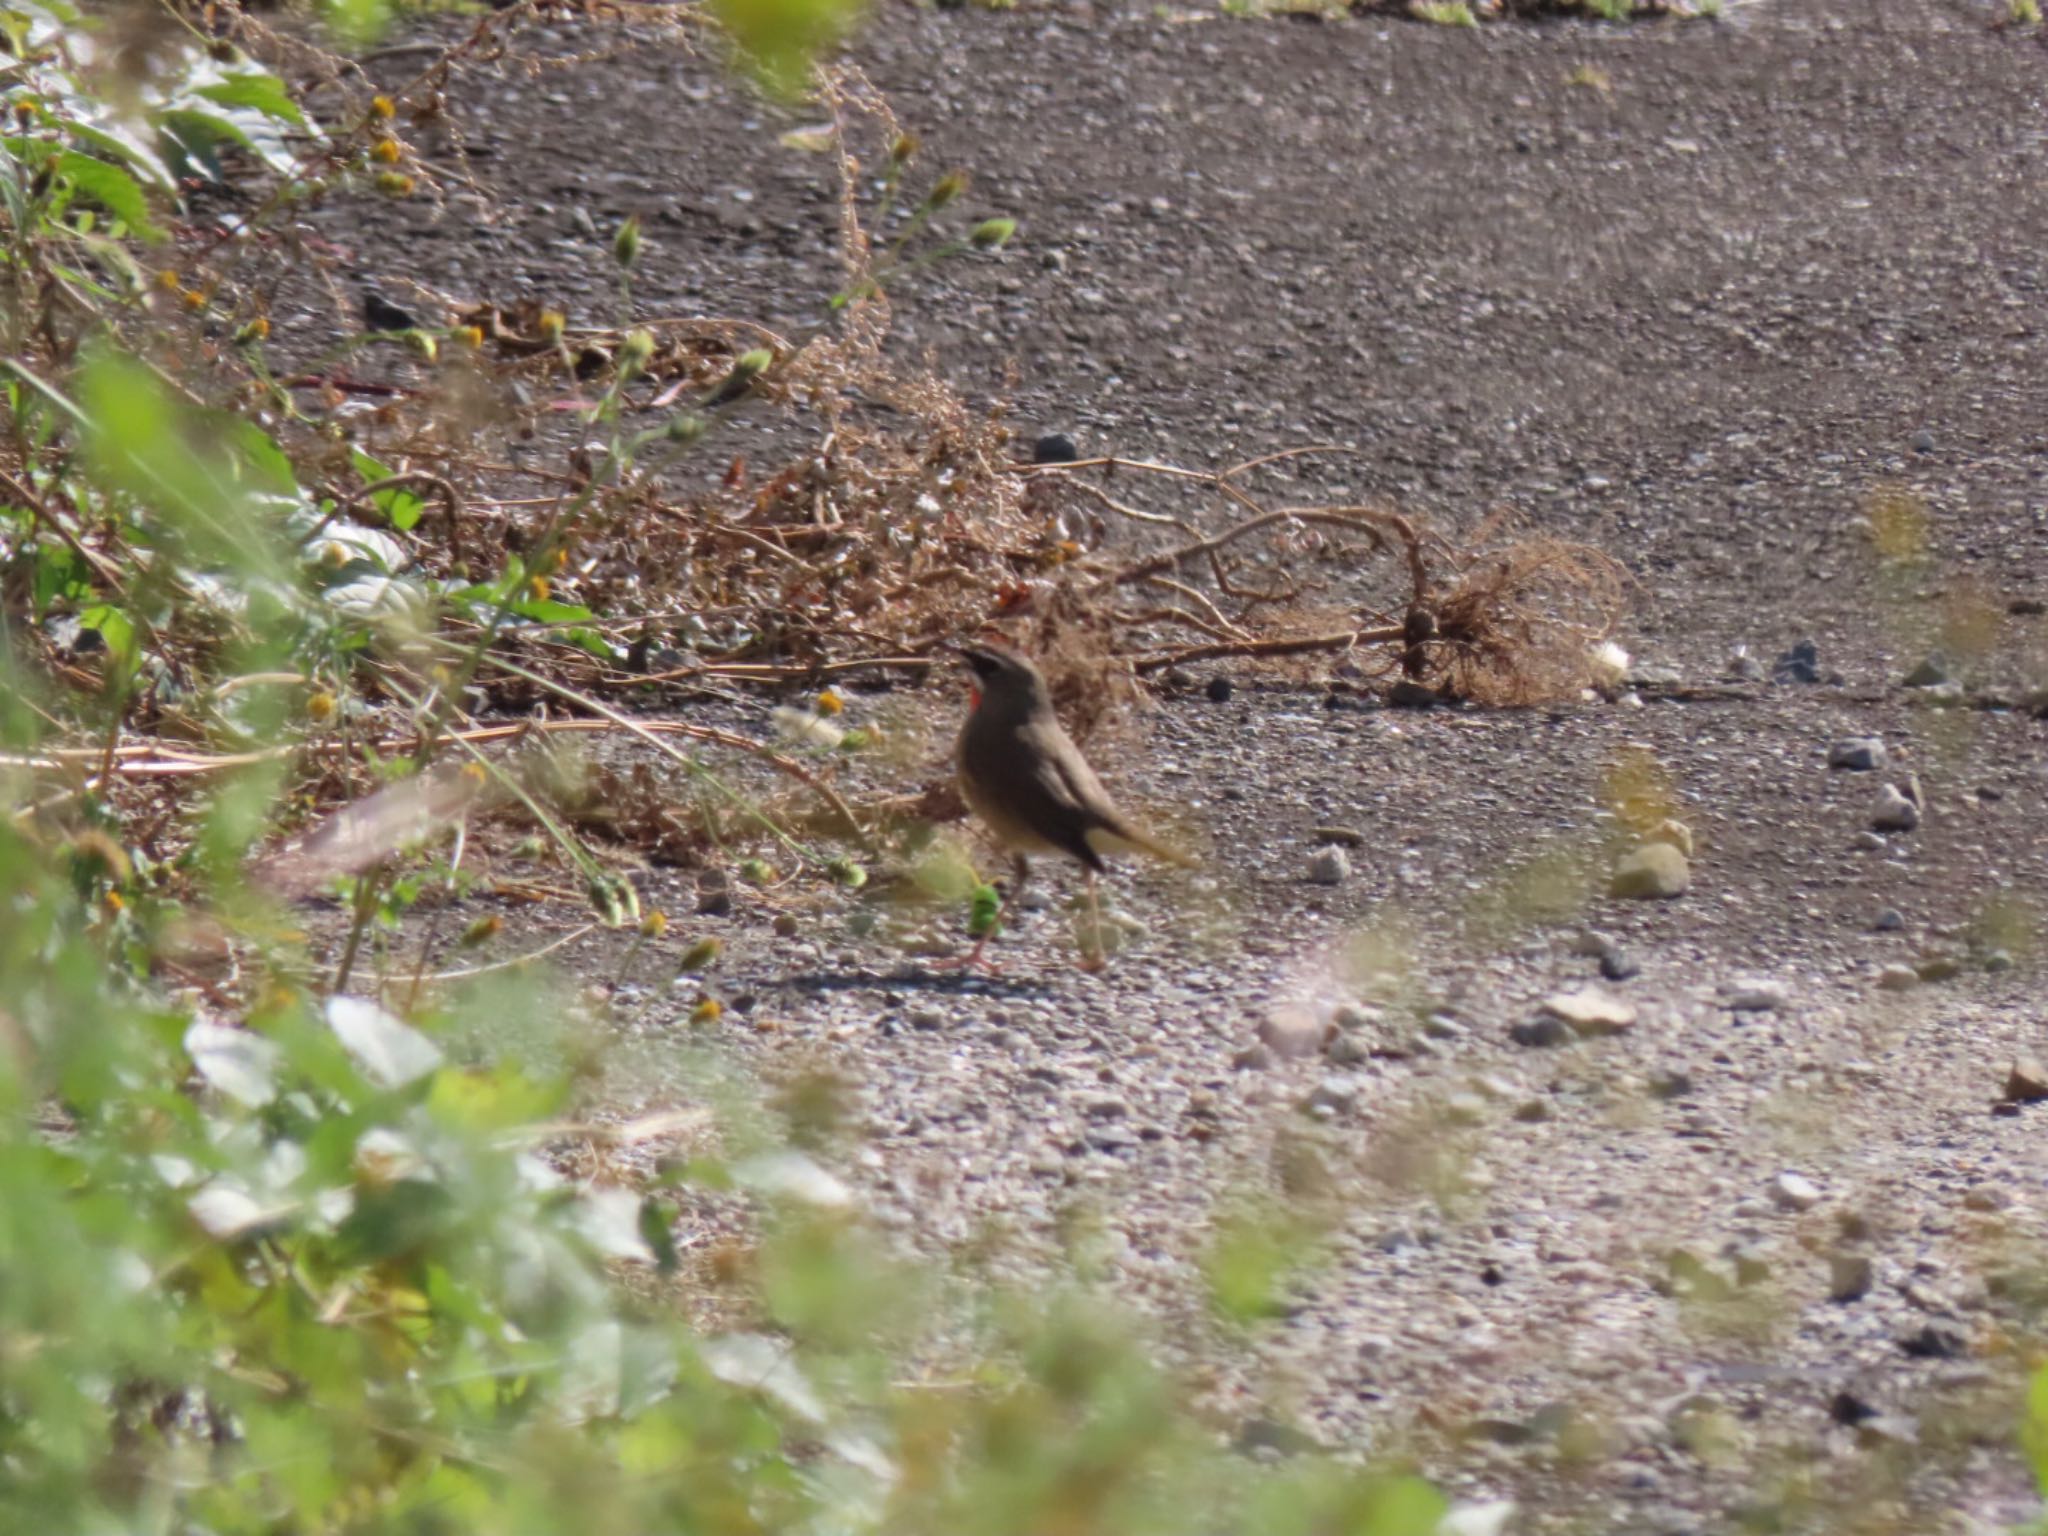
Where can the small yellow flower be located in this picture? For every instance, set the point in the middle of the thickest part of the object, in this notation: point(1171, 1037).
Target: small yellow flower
point(383, 107)
point(387, 151)
point(320, 707)
point(829, 703)
point(471, 336)
point(169, 281)
point(559, 560)
point(114, 902)
point(256, 330)
point(395, 183)
point(474, 772)
point(710, 1011)
point(552, 324)
point(654, 924)
point(193, 299)
point(540, 587)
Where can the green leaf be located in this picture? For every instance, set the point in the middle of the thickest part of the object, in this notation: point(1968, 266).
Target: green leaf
point(2034, 1428)
point(114, 627)
point(263, 93)
point(545, 610)
point(112, 188)
point(118, 143)
point(401, 508)
point(195, 139)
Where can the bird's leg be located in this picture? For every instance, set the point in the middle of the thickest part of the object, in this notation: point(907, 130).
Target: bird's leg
point(1094, 954)
point(973, 960)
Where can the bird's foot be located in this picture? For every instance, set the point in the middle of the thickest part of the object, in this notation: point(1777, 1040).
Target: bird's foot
point(976, 959)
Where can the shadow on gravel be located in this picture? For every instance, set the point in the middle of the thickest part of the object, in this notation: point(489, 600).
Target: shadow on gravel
point(951, 983)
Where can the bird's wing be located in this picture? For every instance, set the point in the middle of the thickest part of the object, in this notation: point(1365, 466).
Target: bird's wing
point(1073, 783)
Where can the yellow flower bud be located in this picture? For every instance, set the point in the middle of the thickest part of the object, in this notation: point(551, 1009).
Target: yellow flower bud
point(383, 107)
point(395, 183)
point(387, 151)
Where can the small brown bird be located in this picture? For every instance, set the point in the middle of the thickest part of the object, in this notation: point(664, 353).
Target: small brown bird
point(1023, 776)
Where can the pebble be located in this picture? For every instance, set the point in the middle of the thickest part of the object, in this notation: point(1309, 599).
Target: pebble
point(1676, 833)
point(1890, 920)
point(1801, 664)
point(1348, 1050)
point(1676, 1083)
point(1354, 1016)
point(1594, 944)
point(1897, 978)
point(1931, 673)
point(1533, 1111)
point(1219, 689)
point(926, 1018)
point(1870, 842)
point(1794, 1192)
point(1618, 965)
point(1755, 995)
point(1859, 754)
point(1936, 1342)
point(1542, 1033)
point(1337, 1093)
point(2026, 1082)
point(1292, 1033)
point(1655, 871)
point(1054, 448)
point(1348, 837)
point(1590, 1012)
point(786, 925)
point(1329, 866)
point(1938, 968)
point(1850, 1276)
point(1894, 812)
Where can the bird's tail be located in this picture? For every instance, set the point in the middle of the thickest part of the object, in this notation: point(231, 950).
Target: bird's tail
point(1125, 838)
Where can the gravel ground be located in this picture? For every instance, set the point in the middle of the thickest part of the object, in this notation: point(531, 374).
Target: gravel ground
point(1686, 292)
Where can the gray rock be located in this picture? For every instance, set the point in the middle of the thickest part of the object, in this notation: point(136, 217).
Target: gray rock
point(1890, 920)
point(1591, 1012)
point(1329, 866)
point(1850, 1276)
point(1794, 1192)
point(1337, 1093)
point(1349, 1016)
point(1858, 754)
point(1897, 978)
point(1753, 994)
point(1292, 1033)
point(1542, 1033)
point(1801, 664)
point(1930, 673)
point(1656, 871)
point(1894, 812)
point(1998, 960)
point(1618, 965)
point(2026, 1082)
point(1594, 944)
point(1348, 1050)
